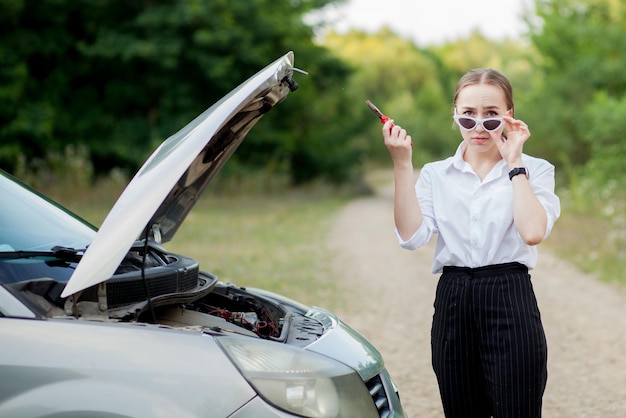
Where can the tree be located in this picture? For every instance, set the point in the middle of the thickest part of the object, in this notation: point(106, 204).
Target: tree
point(120, 77)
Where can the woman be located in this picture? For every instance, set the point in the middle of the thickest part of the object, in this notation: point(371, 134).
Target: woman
point(490, 205)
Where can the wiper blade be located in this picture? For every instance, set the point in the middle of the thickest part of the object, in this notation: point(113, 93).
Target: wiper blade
point(68, 253)
point(63, 253)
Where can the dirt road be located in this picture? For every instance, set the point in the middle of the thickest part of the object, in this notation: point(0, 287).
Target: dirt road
point(392, 292)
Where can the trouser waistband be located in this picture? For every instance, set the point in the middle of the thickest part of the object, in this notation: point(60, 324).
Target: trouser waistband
point(490, 270)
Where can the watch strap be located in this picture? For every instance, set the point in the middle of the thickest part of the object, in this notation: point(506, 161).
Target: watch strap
point(516, 171)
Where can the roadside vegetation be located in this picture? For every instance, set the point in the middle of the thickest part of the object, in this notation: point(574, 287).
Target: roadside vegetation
point(140, 71)
point(591, 232)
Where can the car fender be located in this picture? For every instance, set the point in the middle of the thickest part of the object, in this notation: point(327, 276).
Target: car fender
point(48, 366)
point(91, 398)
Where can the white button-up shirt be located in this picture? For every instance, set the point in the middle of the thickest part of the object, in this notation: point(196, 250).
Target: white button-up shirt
point(474, 219)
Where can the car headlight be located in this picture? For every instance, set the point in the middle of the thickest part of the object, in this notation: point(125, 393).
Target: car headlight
point(299, 381)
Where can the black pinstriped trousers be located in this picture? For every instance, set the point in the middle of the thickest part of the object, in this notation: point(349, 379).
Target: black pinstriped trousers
point(488, 345)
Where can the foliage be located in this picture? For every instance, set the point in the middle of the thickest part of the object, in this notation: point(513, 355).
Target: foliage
point(603, 129)
point(119, 77)
point(581, 43)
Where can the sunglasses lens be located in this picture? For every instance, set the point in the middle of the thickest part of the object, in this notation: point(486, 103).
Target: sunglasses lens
point(466, 123)
point(492, 124)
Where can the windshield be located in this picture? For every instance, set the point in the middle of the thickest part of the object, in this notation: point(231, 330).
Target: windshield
point(30, 222)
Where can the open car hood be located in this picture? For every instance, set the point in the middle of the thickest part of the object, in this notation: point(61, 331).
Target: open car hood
point(164, 190)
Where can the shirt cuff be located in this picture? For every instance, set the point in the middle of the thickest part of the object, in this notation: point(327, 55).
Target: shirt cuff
point(418, 239)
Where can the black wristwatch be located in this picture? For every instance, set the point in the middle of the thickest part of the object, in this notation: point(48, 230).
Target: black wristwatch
point(516, 171)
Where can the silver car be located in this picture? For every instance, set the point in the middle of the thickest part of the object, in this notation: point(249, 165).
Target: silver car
point(107, 323)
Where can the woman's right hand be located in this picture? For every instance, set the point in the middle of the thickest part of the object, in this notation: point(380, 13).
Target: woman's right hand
point(407, 213)
point(397, 141)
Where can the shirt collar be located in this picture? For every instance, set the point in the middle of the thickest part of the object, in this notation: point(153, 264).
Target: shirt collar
point(457, 162)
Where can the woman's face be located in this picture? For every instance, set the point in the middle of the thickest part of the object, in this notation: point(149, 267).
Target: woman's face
point(481, 101)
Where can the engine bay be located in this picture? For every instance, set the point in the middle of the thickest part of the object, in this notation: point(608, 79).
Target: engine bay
point(232, 309)
point(164, 289)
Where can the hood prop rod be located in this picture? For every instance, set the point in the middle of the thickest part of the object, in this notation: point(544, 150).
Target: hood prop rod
point(143, 274)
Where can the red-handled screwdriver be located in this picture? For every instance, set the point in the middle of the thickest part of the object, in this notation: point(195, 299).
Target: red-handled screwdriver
point(381, 116)
point(377, 112)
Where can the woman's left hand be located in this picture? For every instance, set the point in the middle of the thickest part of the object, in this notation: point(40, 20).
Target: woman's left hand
point(517, 135)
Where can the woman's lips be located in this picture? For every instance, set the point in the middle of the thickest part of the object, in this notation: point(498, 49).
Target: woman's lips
point(480, 139)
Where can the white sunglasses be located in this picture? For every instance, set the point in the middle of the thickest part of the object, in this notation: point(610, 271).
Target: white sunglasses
point(468, 123)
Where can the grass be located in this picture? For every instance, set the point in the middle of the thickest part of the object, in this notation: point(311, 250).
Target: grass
point(592, 237)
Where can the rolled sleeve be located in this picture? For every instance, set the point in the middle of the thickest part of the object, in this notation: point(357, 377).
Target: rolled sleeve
point(543, 184)
point(419, 238)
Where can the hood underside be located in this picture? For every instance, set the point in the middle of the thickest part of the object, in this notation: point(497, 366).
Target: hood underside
point(164, 190)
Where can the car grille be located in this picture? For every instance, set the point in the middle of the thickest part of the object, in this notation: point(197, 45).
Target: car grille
point(379, 396)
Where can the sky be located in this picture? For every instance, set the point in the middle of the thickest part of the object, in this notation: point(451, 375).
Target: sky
point(431, 22)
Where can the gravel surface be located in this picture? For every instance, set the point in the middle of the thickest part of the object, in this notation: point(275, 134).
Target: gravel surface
point(391, 293)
